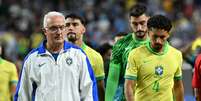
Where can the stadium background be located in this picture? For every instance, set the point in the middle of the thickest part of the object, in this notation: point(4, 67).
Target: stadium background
point(20, 25)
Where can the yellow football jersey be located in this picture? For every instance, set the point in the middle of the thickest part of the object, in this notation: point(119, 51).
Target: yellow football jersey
point(154, 72)
point(196, 44)
point(96, 61)
point(8, 76)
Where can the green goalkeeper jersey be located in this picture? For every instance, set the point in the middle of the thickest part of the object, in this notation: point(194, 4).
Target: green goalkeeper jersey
point(120, 51)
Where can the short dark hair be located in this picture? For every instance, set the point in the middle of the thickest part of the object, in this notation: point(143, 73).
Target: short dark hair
point(121, 34)
point(104, 48)
point(138, 10)
point(76, 16)
point(159, 22)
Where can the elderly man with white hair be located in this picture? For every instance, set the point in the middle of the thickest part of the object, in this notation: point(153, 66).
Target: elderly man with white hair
point(56, 70)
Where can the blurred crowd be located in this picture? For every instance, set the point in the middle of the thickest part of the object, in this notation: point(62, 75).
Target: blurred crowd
point(20, 23)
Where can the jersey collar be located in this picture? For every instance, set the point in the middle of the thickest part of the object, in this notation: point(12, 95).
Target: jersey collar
point(141, 41)
point(42, 49)
point(1, 60)
point(165, 49)
point(83, 46)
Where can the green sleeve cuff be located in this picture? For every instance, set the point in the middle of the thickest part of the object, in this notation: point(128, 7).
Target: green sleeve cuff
point(100, 78)
point(130, 77)
point(112, 81)
point(178, 78)
point(13, 82)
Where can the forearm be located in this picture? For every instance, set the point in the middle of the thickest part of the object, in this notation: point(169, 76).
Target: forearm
point(112, 82)
point(101, 90)
point(25, 91)
point(129, 90)
point(179, 94)
point(87, 83)
point(13, 90)
point(197, 94)
point(129, 94)
point(179, 91)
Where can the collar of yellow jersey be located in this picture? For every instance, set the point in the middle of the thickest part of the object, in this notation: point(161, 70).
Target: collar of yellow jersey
point(165, 49)
point(83, 46)
point(1, 60)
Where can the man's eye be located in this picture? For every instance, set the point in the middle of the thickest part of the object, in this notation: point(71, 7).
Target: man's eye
point(162, 37)
point(155, 37)
point(135, 24)
point(142, 23)
point(53, 28)
point(75, 24)
point(67, 24)
point(62, 27)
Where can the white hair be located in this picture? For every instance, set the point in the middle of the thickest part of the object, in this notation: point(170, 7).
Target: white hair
point(50, 14)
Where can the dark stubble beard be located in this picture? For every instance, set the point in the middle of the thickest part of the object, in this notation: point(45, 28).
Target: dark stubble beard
point(158, 47)
point(71, 36)
point(140, 34)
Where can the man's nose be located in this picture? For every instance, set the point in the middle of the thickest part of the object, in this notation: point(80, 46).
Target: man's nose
point(158, 40)
point(139, 27)
point(59, 30)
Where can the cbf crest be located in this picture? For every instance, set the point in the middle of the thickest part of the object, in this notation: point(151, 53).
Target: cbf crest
point(158, 74)
point(69, 60)
point(159, 70)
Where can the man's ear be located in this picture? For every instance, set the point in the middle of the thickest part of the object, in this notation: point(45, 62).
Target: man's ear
point(84, 29)
point(43, 30)
point(168, 35)
point(148, 30)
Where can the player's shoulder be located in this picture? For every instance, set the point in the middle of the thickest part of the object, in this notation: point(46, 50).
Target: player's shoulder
point(139, 50)
point(198, 58)
point(124, 39)
point(174, 50)
point(73, 49)
point(122, 43)
point(8, 63)
point(197, 40)
point(32, 54)
point(92, 52)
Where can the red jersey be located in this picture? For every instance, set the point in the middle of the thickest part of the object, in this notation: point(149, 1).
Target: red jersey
point(196, 81)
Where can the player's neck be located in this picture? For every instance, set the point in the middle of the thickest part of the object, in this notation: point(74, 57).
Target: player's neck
point(54, 48)
point(140, 38)
point(159, 50)
point(1, 60)
point(79, 43)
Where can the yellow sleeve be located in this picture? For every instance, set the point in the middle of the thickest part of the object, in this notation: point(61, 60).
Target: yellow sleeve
point(178, 73)
point(195, 44)
point(14, 76)
point(99, 68)
point(131, 69)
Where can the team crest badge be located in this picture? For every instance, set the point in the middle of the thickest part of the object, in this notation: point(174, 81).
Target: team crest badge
point(69, 60)
point(159, 70)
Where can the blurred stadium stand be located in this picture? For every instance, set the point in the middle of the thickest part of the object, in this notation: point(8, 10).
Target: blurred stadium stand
point(20, 24)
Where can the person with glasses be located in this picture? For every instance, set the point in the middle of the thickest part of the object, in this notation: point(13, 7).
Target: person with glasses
point(75, 25)
point(56, 70)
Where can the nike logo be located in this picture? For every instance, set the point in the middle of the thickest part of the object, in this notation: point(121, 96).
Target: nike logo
point(146, 61)
point(127, 48)
point(40, 65)
point(5, 72)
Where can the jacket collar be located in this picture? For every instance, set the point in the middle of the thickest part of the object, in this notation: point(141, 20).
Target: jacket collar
point(42, 48)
